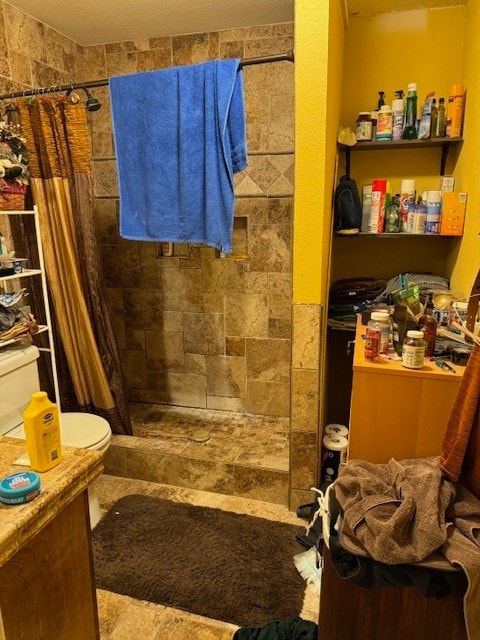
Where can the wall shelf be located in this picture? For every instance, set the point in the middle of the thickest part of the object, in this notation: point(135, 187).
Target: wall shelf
point(388, 145)
point(394, 236)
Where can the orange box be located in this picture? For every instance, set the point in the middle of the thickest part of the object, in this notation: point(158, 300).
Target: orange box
point(453, 213)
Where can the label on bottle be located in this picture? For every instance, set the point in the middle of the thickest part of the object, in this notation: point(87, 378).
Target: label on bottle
point(413, 356)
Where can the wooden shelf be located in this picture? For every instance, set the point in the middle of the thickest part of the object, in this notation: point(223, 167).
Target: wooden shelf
point(390, 236)
point(384, 145)
point(23, 274)
point(388, 145)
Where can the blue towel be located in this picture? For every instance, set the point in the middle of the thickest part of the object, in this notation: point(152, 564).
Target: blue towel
point(179, 138)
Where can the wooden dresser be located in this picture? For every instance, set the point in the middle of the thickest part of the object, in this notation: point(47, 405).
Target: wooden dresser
point(397, 412)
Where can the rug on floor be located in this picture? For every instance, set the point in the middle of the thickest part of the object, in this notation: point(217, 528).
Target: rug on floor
point(222, 565)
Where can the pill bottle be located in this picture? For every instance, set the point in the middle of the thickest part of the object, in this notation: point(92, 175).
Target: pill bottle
point(363, 126)
point(413, 352)
point(381, 319)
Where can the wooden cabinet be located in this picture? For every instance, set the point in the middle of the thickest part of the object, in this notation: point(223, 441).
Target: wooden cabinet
point(397, 412)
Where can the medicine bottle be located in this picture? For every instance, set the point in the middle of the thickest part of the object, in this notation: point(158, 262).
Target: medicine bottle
point(413, 352)
point(363, 126)
point(381, 319)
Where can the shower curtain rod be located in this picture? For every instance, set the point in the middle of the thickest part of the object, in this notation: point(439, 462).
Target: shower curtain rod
point(102, 83)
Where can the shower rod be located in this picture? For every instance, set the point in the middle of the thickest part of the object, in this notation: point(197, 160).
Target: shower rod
point(102, 83)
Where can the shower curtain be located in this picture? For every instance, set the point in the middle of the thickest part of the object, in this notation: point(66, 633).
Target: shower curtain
point(56, 131)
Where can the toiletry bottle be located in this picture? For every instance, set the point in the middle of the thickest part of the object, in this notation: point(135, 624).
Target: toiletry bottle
point(407, 198)
point(441, 116)
point(384, 123)
point(455, 117)
point(410, 128)
point(392, 215)
point(42, 432)
point(433, 118)
point(381, 100)
point(398, 115)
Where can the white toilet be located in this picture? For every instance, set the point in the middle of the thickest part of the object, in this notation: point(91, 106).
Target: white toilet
point(18, 380)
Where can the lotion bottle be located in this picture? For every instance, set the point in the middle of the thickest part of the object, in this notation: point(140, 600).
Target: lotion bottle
point(42, 432)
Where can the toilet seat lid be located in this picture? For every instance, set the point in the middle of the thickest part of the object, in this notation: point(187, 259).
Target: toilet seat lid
point(83, 430)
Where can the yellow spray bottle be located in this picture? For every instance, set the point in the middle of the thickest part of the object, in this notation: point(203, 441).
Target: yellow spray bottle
point(42, 432)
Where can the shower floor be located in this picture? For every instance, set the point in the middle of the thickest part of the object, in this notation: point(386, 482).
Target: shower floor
point(245, 455)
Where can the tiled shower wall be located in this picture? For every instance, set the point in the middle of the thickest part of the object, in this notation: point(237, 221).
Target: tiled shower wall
point(196, 329)
point(34, 55)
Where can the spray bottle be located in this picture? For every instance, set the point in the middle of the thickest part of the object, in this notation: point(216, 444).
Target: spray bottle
point(398, 115)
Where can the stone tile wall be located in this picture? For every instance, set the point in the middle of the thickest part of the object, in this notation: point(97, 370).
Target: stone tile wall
point(196, 329)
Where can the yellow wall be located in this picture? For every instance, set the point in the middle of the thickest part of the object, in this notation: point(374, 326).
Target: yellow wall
point(466, 262)
point(386, 52)
point(318, 69)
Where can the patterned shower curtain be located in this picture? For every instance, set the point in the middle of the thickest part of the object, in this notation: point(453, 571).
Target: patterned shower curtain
point(58, 145)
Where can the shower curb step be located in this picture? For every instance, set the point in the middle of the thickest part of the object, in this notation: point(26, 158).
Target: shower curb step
point(129, 457)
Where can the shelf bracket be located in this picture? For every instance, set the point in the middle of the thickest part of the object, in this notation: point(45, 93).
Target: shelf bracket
point(443, 162)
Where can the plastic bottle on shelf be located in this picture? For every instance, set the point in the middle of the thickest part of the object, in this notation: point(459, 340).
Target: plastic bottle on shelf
point(428, 325)
point(384, 123)
point(377, 209)
point(366, 207)
point(420, 218)
point(410, 128)
point(392, 215)
point(407, 198)
point(398, 115)
point(441, 117)
point(381, 100)
point(455, 117)
point(434, 207)
point(373, 334)
point(363, 126)
point(433, 118)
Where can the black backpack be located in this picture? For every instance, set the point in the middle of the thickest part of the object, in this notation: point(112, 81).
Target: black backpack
point(347, 206)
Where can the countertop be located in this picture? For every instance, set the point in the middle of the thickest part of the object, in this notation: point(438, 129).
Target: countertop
point(395, 367)
point(59, 486)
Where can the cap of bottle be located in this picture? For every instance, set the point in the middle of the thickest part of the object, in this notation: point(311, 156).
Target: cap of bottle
point(412, 86)
point(385, 107)
point(413, 333)
point(380, 316)
point(379, 185)
point(434, 196)
point(457, 89)
point(407, 185)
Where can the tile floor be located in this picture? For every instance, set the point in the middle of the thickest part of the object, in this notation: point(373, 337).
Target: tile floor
point(123, 618)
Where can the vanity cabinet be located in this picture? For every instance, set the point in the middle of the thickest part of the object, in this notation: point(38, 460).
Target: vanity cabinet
point(397, 412)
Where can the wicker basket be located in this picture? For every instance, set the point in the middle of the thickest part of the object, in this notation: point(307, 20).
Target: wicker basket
point(12, 201)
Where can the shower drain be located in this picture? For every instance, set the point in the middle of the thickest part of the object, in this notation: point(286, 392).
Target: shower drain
point(199, 435)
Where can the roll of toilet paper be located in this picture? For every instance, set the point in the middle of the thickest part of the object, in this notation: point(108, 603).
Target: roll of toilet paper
point(336, 429)
point(335, 454)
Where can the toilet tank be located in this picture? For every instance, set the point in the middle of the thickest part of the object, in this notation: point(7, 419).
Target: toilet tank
point(18, 380)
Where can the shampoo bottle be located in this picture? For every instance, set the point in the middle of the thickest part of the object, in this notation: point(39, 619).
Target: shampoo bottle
point(42, 432)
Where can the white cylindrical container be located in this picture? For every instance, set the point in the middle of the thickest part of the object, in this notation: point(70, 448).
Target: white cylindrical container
point(407, 198)
point(336, 429)
point(384, 123)
point(434, 208)
point(382, 319)
point(413, 351)
point(335, 454)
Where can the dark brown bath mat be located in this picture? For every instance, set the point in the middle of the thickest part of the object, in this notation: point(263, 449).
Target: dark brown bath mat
point(214, 563)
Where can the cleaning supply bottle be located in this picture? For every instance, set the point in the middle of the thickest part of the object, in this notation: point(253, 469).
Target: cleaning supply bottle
point(455, 119)
point(42, 432)
point(398, 115)
point(410, 128)
point(384, 123)
point(381, 100)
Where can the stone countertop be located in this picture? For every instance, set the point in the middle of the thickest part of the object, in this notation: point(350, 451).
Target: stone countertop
point(59, 486)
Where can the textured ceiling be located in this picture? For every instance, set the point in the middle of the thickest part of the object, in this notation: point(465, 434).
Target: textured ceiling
point(368, 7)
point(100, 21)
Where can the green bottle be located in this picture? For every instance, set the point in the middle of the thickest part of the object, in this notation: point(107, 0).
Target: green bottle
point(410, 128)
